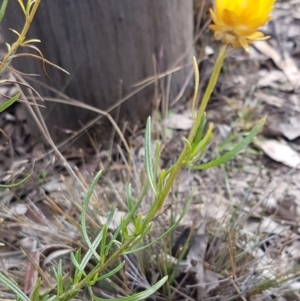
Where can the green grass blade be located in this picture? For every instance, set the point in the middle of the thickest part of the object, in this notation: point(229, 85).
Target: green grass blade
point(9, 102)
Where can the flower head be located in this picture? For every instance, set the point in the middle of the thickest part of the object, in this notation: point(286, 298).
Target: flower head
point(236, 21)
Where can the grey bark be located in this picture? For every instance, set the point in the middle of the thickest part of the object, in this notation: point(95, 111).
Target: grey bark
point(102, 43)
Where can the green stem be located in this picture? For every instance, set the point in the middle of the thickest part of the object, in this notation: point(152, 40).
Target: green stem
point(97, 270)
point(21, 37)
point(180, 161)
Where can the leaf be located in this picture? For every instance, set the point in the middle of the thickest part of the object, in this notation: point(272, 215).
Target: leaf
point(200, 129)
point(199, 148)
point(112, 272)
point(92, 247)
point(13, 288)
point(95, 244)
point(168, 231)
point(136, 297)
point(231, 154)
point(280, 152)
point(3, 9)
point(148, 161)
point(129, 197)
point(9, 102)
point(22, 7)
point(16, 184)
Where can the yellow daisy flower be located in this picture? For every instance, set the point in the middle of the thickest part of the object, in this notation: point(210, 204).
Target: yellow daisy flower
point(236, 21)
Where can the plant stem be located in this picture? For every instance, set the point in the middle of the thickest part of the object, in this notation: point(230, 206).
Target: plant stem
point(180, 161)
point(21, 37)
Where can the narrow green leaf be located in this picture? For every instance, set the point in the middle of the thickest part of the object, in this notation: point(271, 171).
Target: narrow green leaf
point(59, 279)
point(31, 41)
point(76, 260)
point(79, 269)
point(129, 216)
point(187, 142)
point(200, 129)
point(9, 102)
point(103, 243)
point(185, 209)
point(46, 297)
point(138, 296)
point(84, 210)
point(112, 272)
point(22, 7)
point(129, 197)
point(35, 296)
point(238, 148)
point(199, 148)
point(92, 248)
point(157, 158)
point(148, 160)
point(18, 292)
point(3, 9)
point(8, 49)
point(28, 6)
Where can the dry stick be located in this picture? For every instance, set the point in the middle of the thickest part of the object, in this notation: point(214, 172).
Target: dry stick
point(111, 142)
point(43, 128)
point(79, 104)
point(74, 102)
point(232, 254)
point(181, 293)
point(56, 208)
point(140, 86)
point(268, 194)
point(237, 289)
point(41, 59)
point(199, 16)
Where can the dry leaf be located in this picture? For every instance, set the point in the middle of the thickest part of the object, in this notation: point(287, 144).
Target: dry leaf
point(280, 153)
point(283, 62)
point(179, 122)
point(291, 130)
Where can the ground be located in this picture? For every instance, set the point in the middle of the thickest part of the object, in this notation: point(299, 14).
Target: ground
point(242, 225)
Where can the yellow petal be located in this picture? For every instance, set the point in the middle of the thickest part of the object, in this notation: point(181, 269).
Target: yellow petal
point(213, 16)
point(230, 18)
point(244, 43)
point(236, 21)
point(256, 35)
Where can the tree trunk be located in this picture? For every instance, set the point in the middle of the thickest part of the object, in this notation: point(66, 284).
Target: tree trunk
point(107, 46)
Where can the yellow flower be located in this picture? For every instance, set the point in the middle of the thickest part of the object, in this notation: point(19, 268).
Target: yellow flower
point(237, 21)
